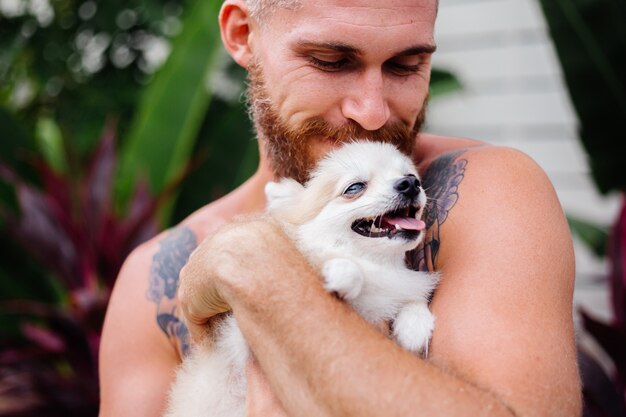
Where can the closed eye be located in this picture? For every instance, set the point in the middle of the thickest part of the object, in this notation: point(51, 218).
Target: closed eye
point(400, 69)
point(329, 65)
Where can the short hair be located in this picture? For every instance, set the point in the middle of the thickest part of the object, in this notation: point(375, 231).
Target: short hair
point(261, 10)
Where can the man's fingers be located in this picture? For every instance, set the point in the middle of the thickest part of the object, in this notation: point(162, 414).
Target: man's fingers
point(199, 298)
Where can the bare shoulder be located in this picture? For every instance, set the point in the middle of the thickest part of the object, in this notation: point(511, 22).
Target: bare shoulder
point(143, 335)
point(499, 237)
point(495, 187)
point(148, 283)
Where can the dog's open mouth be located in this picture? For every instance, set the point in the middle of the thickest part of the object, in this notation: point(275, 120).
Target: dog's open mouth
point(398, 222)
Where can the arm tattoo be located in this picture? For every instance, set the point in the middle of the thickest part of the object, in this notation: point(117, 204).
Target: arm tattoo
point(166, 265)
point(441, 183)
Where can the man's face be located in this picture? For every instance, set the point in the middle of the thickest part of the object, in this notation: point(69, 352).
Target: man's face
point(337, 69)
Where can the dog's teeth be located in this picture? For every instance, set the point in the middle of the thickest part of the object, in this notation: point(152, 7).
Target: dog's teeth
point(398, 227)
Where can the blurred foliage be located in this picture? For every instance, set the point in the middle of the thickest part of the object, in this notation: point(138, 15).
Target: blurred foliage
point(590, 39)
point(78, 62)
point(65, 67)
point(443, 82)
point(596, 237)
point(610, 336)
point(172, 109)
point(69, 227)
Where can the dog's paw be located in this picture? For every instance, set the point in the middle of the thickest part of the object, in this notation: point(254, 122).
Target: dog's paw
point(413, 327)
point(342, 277)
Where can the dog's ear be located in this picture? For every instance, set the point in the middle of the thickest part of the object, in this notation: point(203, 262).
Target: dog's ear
point(286, 188)
point(283, 197)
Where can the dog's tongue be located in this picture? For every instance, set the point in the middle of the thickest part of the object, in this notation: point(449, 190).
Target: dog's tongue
point(406, 223)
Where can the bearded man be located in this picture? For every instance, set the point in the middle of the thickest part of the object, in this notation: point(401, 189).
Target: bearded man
point(321, 72)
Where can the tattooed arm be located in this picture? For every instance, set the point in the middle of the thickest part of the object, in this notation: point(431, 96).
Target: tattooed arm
point(174, 251)
point(441, 183)
point(143, 336)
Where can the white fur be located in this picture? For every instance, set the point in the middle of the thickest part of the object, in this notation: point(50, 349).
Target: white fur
point(369, 273)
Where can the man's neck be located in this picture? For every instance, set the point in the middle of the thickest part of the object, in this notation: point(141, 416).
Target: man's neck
point(249, 197)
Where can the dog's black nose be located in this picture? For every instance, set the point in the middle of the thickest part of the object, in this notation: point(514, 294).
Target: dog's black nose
point(409, 186)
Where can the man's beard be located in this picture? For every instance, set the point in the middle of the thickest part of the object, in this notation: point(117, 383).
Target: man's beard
point(288, 147)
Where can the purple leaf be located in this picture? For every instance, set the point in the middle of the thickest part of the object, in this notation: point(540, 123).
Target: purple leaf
point(602, 397)
point(98, 184)
point(42, 233)
point(612, 338)
point(43, 337)
point(45, 227)
point(617, 254)
point(65, 325)
point(7, 174)
point(73, 229)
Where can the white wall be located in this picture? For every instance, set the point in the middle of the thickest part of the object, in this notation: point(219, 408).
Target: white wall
point(514, 95)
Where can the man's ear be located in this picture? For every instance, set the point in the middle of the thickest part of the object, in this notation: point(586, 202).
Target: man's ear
point(236, 28)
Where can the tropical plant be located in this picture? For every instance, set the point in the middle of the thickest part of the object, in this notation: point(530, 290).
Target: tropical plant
point(65, 66)
point(590, 39)
point(70, 227)
point(75, 62)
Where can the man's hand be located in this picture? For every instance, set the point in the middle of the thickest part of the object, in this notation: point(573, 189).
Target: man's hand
point(236, 260)
point(198, 293)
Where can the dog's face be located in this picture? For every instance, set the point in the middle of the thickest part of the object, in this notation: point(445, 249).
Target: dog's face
point(367, 192)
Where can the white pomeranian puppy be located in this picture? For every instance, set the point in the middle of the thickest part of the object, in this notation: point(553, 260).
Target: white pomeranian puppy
point(354, 220)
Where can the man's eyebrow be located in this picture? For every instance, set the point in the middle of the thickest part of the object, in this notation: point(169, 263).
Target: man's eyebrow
point(418, 49)
point(334, 46)
point(349, 49)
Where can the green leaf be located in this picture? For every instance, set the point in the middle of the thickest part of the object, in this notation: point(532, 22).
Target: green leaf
point(443, 82)
point(50, 143)
point(172, 109)
point(590, 39)
point(594, 236)
point(16, 145)
point(231, 157)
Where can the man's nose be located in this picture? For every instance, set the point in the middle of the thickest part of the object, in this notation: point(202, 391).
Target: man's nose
point(366, 103)
point(409, 186)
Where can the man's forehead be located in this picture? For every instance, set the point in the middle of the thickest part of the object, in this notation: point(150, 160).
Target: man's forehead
point(371, 12)
point(345, 21)
point(368, 3)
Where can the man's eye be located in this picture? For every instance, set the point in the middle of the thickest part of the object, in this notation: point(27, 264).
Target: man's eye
point(329, 65)
point(354, 189)
point(400, 69)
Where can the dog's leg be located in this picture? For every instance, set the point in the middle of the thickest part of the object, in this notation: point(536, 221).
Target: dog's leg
point(343, 277)
point(413, 327)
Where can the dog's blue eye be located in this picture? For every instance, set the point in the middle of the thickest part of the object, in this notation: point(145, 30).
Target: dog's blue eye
point(355, 188)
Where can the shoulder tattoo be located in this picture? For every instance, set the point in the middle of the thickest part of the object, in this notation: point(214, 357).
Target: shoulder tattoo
point(173, 254)
point(441, 183)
